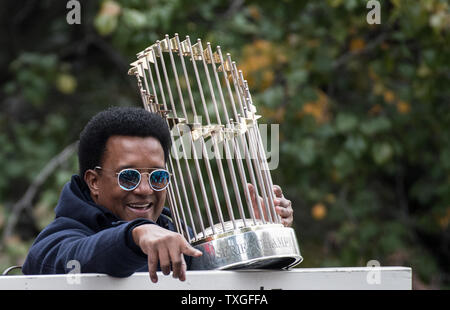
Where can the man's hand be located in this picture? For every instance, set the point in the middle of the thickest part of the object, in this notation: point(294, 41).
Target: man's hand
point(283, 206)
point(166, 247)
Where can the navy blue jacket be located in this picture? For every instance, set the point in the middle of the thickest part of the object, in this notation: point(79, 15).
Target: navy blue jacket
point(90, 234)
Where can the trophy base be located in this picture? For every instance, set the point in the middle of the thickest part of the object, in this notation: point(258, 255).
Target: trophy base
point(267, 246)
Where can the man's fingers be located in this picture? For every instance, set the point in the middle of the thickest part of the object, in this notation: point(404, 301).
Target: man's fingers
point(191, 251)
point(284, 212)
point(283, 202)
point(182, 275)
point(176, 264)
point(153, 266)
point(285, 222)
point(252, 191)
point(165, 249)
point(283, 207)
point(277, 190)
point(164, 261)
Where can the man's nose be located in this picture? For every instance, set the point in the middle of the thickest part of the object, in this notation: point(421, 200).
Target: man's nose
point(144, 187)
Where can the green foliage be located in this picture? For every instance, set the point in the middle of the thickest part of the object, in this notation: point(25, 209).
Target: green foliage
point(364, 111)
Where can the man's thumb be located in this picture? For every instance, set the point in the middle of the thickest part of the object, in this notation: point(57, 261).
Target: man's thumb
point(191, 251)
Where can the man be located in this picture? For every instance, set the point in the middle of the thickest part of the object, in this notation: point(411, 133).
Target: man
point(111, 217)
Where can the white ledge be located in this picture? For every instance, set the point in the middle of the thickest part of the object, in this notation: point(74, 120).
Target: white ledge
point(350, 278)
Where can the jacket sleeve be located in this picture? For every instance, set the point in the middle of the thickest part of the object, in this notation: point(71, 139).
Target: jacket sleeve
point(111, 251)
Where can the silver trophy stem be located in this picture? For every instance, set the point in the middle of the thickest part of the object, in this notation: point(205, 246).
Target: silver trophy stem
point(178, 132)
point(219, 162)
point(235, 142)
point(177, 83)
point(244, 144)
point(191, 100)
point(266, 192)
point(174, 208)
point(227, 149)
point(186, 118)
point(179, 170)
point(259, 147)
point(250, 163)
point(199, 84)
point(173, 204)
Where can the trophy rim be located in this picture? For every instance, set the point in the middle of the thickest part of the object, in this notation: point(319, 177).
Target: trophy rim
point(239, 230)
point(298, 259)
point(257, 247)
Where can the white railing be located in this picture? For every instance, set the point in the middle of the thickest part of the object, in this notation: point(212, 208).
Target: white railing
point(352, 278)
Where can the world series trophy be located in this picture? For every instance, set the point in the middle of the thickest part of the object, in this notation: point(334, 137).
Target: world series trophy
point(207, 105)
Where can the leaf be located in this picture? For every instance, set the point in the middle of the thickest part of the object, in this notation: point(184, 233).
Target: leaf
point(343, 163)
point(376, 125)
point(345, 122)
point(105, 24)
point(319, 211)
point(382, 152)
point(307, 152)
point(356, 145)
point(272, 97)
point(110, 8)
point(134, 19)
point(66, 83)
point(357, 44)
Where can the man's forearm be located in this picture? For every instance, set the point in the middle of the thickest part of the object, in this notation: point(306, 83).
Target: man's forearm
point(107, 251)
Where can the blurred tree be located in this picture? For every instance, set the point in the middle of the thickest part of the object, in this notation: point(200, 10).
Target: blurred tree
point(364, 111)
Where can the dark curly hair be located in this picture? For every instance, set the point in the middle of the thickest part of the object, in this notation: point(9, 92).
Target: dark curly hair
point(123, 121)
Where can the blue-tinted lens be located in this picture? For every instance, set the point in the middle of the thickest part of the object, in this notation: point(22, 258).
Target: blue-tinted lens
point(129, 179)
point(159, 179)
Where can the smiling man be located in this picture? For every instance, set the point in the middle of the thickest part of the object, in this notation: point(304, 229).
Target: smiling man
point(126, 152)
point(111, 217)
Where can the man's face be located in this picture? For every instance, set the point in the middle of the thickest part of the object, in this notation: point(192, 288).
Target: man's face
point(129, 152)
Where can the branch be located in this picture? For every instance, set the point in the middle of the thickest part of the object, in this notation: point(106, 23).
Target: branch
point(27, 198)
point(348, 56)
point(342, 198)
point(235, 6)
point(114, 56)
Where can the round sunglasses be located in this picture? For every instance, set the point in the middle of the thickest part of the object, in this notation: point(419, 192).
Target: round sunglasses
point(129, 179)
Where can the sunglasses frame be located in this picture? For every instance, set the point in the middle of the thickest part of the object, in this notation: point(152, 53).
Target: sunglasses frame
point(140, 178)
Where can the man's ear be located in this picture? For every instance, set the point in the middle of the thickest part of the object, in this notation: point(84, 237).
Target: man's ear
point(92, 178)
